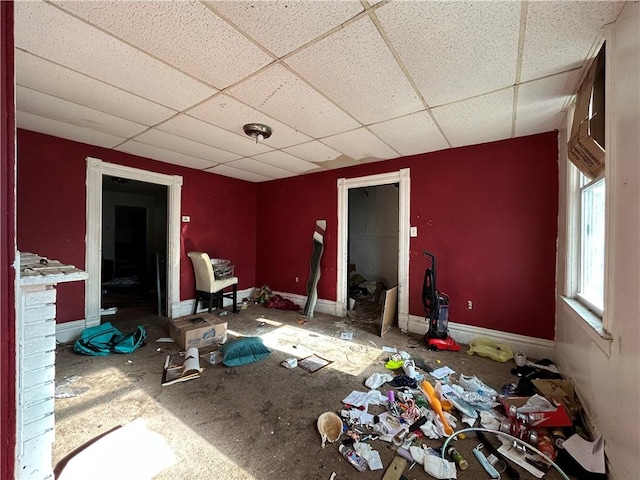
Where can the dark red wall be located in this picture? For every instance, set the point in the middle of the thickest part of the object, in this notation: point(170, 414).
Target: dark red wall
point(7, 246)
point(51, 212)
point(488, 212)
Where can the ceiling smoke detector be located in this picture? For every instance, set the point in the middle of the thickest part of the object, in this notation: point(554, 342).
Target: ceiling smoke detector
point(257, 131)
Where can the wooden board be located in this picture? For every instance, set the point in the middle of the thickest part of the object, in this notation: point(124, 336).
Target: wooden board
point(389, 309)
point(395, 470)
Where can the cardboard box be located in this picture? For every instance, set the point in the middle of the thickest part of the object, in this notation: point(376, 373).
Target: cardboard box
point(556, 418)
point(560, 390)
point(202, 330)
point(586, 153)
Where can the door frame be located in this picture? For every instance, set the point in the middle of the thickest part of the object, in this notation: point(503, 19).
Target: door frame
point(96, 169)
point(403, 178)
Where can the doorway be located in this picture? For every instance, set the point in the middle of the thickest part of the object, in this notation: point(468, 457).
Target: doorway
point(134, 245)
point(402, 179)
point(172, 184)
point(372, 251)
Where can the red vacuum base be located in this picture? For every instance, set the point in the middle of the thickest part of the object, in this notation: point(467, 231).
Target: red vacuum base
point(442, 344)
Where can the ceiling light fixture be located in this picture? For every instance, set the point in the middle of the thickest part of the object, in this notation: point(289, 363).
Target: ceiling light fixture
point(257, 131)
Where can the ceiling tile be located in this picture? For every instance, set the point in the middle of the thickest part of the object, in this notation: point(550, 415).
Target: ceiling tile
point(348, 67)
point(285, 161)
point(56, 128)
point(185, 146)
point(313, 152)
point(479, 120)
point(412, 134)
point(228, 113)
point(46, 77)
point(199, 131)
point(281, 94)
point(44, 105)
point(361, 145)
point(254, 166)
point(540, 103)
point(238, 173)
point(560, 34)
point(220, 61)
point(455, 50)
point(164, 155)
point(283, 26)
point(44, 30)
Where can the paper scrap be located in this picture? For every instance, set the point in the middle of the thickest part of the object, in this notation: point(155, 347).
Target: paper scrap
point(390, 349)
point(588, 454)
point(164, 340)
point(346, 336)
point(442, 372)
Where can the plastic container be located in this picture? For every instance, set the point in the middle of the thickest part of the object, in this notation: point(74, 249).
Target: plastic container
point(353, 458)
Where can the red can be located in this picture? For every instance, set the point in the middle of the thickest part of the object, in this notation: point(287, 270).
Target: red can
point(545, 444)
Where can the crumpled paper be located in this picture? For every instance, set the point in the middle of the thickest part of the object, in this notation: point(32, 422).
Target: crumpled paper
point(377, 380)
point(439, 467)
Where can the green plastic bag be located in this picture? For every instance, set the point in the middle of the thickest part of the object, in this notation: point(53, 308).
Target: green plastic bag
point(493, 350)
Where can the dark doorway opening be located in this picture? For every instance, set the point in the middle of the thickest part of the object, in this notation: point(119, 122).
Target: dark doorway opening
point(134, 245)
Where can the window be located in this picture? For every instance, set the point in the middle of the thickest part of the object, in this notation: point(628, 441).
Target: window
point(588, 195)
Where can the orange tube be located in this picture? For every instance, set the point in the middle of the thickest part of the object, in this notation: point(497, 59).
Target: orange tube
point(436, 406)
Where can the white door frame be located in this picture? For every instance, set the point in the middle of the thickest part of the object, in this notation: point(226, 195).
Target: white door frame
point(403, 178)
point(96, 168)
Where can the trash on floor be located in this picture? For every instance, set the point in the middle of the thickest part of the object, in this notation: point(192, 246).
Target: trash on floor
point(64, 389)
point(493, 350)
point(313, 363)
point(181, 367)
point(199, 331)
point(346, 336)
point(290, 362)
point(406, 414)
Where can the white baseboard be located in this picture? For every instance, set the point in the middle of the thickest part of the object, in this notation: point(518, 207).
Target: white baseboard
point(69, 331)
point(533, 347)
point(330, 307)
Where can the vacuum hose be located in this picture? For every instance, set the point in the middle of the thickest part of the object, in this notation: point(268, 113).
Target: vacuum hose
point(524, 444)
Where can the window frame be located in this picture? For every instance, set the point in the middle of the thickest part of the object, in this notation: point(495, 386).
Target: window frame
point(596, 318)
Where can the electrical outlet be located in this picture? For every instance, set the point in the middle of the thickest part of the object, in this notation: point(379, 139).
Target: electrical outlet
point(296, 279)
point(413, 231)
point(469, 305)
point(186, 218)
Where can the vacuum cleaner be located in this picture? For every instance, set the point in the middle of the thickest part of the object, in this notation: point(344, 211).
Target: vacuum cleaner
point(436, 307)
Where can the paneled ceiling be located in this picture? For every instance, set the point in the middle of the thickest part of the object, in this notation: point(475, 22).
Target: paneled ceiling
point(340, 82)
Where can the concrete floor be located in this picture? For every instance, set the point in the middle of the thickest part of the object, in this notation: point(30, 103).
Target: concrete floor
point(254, 422)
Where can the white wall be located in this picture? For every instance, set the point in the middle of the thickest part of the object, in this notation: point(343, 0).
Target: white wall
point(607, 374)
point(373, 232)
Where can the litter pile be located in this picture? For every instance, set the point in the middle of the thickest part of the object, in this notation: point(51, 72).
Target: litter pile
point(419, 414)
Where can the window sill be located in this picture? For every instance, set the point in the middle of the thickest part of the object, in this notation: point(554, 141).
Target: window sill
point(590, 322)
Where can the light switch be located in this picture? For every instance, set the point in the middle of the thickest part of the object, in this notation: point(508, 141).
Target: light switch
point(186, 218)
point(413, 231)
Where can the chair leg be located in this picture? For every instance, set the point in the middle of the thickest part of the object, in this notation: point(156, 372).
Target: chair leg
point(195, 307)
point(235, 298)
point(210, 302)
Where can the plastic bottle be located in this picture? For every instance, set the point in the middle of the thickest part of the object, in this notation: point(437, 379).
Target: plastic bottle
point(353, 458)
point(459, 459)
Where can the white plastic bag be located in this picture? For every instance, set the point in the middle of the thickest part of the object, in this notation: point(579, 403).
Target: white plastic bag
point(376, 380)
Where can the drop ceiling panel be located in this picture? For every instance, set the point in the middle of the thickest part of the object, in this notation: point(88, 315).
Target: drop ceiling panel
point(560, 34)
point(45, 31)
point(455, 50)
point(228, 113)
point(254, 166)
point(193, 50)
point(232, 172)
point(281, 94)
point(540, 102)
point(46, 77)
point(313, 152)
point(361, 145)
point(412, 134)
point(286, 162)
point(356, 59)
point(479, 120)
point(59, 129)
point(164, 155)
point(185, 146)
point(46, 106)
point(283, 26)
point(199, 131)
